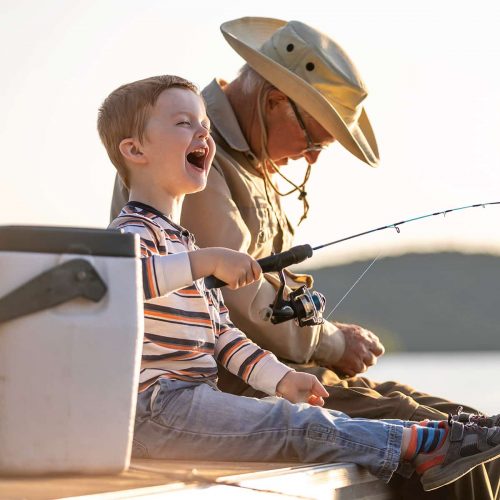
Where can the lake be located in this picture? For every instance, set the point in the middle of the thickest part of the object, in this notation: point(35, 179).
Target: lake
point(465, 377)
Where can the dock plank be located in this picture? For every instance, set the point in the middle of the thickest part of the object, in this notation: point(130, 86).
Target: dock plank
point(190, 479)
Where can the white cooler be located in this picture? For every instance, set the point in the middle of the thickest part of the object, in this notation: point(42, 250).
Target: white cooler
point(70, 346)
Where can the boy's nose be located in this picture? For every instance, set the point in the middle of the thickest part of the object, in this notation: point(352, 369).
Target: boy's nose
point(204, 133)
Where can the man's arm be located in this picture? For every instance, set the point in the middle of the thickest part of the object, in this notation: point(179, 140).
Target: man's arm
point(215, 220)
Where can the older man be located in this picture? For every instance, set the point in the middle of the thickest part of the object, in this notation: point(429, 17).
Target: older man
point(298, 93)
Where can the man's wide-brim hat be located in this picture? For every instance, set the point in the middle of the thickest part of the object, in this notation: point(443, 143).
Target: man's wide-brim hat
point(312, 70)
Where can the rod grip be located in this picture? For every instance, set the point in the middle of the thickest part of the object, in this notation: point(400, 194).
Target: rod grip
point(275, 263)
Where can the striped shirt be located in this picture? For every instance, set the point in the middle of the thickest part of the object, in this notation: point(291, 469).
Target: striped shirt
point(187, 327)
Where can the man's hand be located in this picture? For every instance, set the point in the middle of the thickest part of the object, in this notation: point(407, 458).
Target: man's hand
point(362, 348)
point(300, 387)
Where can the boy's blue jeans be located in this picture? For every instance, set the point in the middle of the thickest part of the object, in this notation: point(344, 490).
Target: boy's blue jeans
point(187, 420)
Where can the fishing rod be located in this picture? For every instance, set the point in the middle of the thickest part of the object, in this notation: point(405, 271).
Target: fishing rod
point(304, 305)
point(396, 225)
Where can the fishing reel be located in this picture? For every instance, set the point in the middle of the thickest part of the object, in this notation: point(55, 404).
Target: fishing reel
point(304, 306)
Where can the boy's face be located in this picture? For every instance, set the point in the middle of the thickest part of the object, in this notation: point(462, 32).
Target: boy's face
point(177, 142)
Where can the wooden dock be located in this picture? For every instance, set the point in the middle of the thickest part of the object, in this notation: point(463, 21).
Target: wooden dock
point(155, 479)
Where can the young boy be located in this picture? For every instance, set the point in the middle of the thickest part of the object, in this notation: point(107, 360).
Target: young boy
point(156, 133)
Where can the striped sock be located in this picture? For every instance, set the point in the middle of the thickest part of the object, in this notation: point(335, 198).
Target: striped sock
point(424, 439)
point(436, 424)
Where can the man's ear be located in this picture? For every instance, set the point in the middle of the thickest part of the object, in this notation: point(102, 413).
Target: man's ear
point(131, 149)
point(275, 99)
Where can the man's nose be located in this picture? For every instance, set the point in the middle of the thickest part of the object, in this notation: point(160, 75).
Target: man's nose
point(311, 156)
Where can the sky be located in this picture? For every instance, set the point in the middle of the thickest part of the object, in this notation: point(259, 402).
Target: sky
point(434, 98)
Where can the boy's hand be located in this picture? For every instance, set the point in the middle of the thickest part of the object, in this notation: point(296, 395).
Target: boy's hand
point(237, 269)
point(301, 388)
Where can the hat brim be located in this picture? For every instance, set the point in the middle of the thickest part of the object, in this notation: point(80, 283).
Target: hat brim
point(247, 35)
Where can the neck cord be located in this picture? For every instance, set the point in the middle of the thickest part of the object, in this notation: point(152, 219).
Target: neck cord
point(267, 162)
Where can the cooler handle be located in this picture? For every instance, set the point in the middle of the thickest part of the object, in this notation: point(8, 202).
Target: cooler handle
point(74, 278)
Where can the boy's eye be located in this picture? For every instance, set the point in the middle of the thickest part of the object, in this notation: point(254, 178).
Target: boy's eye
point(184, 122)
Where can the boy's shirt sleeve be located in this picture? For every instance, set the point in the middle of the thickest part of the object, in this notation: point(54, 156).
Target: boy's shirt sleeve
point(238, 354)
point(161, 274)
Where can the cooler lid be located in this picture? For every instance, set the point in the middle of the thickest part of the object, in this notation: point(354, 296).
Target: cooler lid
point(58, 240)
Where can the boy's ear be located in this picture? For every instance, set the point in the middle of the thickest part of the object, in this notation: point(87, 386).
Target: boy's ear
point(131, 149)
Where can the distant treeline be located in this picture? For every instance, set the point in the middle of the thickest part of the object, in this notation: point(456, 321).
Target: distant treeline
point(420, 302)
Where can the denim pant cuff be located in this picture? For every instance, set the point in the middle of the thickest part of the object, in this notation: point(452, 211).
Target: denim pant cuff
point(392, 456)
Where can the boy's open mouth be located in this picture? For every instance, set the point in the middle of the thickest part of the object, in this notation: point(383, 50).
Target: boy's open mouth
point(197, 158)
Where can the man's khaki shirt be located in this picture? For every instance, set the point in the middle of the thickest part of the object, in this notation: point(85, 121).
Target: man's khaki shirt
point(237, 210)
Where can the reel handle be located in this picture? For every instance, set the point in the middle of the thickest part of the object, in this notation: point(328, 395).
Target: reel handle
point(275, 263)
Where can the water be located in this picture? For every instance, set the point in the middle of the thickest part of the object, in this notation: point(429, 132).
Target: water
point(465, 377)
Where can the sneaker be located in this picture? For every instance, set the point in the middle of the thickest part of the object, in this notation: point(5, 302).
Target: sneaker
point(466, 446)
point(479, 419)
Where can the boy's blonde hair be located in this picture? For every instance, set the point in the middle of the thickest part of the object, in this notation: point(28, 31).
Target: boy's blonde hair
point(125, 111)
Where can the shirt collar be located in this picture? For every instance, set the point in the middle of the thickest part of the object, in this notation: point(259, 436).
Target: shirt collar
point(148, 208)
point(222, 116)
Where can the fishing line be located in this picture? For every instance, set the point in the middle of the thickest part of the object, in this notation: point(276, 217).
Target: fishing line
point(353, 285)
point(395, 226)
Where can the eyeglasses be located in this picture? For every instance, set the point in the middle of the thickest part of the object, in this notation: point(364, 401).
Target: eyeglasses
point(312, 147)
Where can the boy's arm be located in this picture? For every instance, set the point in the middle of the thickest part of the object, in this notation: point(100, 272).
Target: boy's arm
point(237, 353)
point(161, 274)
point(260, 368)
point(164, 274)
